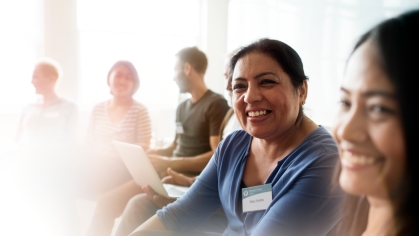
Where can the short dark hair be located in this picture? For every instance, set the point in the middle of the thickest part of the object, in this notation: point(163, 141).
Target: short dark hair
point(283, 54)
point(195, 57)
point(396, 41)
point(133, 71)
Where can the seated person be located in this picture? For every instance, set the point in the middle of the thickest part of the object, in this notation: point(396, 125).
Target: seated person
point(376, 131)
point(120, 118)
point(273, 177)
point(45, 137)
point(142, 206)
point(198, 121)
point(52, 120)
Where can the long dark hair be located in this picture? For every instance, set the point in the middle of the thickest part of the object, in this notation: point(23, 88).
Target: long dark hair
point(396, 41)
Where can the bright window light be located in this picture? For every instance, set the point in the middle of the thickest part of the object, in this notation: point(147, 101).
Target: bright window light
point(20, 45)
point(147, 33)
point(323, 33)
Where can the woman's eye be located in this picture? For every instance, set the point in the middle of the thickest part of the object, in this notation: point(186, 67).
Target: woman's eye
point(267, 81)
point(238, 86)
point(380, 110)
point(344, 104)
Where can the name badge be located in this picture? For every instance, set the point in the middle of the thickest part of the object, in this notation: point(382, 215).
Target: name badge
point(179, 128)
point(257, 198)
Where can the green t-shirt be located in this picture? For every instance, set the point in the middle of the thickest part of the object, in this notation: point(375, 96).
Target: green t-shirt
point(199, 121)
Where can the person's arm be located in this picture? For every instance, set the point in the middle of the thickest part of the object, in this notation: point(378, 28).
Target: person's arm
point(19, 130)
point(178, 178)
point(154, 223)
point(167, 152)
point(143, 135)
point(188, 164)
point(195, 207)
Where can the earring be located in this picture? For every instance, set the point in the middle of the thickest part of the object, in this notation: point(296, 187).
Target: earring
point(304, 102)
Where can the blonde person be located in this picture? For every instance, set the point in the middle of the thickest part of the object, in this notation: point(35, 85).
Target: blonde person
point(52, 120)
point(376, 131)
point(46, 138)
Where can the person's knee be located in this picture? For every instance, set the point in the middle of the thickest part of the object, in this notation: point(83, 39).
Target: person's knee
point(138, 209)
point(109, 203)
point(140, 203)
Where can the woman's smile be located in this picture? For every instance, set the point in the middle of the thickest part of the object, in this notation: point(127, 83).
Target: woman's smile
point(258, 113)
point(354, 161)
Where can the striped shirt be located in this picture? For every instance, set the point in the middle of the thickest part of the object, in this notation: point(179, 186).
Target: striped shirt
point(134, 128)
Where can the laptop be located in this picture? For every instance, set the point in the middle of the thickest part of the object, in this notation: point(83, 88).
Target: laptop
point(143, 172)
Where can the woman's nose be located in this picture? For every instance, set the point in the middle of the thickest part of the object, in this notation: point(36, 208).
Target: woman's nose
point(352, 126)
point(253, 94)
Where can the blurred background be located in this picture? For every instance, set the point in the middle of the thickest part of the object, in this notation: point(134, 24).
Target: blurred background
point(87, 36)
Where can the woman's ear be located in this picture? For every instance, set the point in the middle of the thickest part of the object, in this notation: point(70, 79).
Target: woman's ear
point(303, 92)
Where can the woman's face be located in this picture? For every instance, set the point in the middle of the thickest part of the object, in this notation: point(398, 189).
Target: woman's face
point(264, 99)
point(368, 129)
point(121, 82)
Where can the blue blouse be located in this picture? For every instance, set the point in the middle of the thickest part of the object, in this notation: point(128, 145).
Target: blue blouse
point(303, 199)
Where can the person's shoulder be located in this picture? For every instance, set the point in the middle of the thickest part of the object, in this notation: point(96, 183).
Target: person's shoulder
point(100, 105)
point(320, 136)
point(68, 102)
point(235, 144)
point(236, 137)
point(215, 96)
point(319, 143)
point(183, 103)
point(27, 108)
point(139, 106)
point(216, 101)
point(100, 108)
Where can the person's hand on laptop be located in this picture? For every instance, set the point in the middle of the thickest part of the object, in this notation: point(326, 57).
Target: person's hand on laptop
point(160, 163)
point(176, 178)
point(158, 200)
point(172, 178)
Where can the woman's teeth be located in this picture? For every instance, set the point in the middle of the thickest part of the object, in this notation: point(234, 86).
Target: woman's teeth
point(256, 113)
point(358, 159)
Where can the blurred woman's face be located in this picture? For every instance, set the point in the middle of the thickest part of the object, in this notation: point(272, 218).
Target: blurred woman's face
point(43, 83)
point(368, 129)
point(264, 100)
point(121, 82)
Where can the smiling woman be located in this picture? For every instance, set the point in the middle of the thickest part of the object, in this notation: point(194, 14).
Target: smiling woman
point(271, 178)
point(258, 77)
point(376, 131)
point(120, 118)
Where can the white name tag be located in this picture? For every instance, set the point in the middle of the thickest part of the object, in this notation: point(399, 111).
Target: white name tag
point(257, 198)
point(179, 128)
